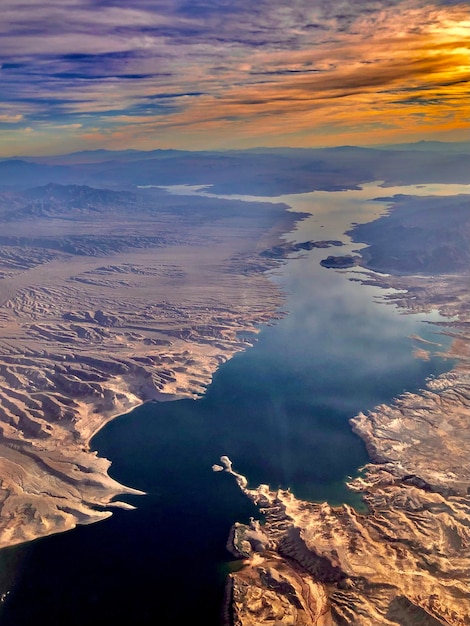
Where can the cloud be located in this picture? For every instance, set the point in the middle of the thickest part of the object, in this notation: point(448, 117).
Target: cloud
point(10, 118)
point(205, 66)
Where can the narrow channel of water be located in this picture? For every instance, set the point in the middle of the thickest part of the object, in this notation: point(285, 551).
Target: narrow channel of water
point(280, 410)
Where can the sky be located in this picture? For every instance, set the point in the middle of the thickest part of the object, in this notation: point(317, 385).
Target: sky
point(225, 74)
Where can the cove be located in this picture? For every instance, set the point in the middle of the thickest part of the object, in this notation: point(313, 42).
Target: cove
point(279, 410)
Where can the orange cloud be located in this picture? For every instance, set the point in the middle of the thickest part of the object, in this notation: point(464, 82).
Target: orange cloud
point(398, 72)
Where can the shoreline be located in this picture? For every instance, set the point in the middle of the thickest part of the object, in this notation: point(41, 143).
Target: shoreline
point(93, 354)
point(407, 558)
point(340, 563)
point(346, 553)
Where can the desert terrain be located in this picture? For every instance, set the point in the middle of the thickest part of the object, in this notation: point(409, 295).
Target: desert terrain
point(406, 560)
point(108, 300)
point(111, 297)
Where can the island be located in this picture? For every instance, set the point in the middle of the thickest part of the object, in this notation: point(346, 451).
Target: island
point(340, 262)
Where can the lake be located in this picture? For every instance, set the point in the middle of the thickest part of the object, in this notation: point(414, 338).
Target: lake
point(279, 410)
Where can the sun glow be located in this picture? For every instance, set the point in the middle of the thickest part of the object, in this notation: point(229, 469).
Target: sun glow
point(391, 73)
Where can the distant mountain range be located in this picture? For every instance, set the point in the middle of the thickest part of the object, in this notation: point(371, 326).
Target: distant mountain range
point(259, 171)
point(456, 147)
point(102, 155)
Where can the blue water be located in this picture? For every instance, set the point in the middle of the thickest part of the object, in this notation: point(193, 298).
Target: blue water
point(279, 410)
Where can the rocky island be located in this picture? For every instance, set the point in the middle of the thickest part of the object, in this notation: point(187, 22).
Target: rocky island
point(340, 262)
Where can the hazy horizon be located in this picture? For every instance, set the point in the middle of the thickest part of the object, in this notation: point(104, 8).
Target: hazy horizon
point(462, 147)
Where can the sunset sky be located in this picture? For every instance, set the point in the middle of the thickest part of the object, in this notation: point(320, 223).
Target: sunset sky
point(221, 74)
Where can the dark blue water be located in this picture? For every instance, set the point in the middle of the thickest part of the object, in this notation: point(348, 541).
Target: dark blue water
point(279, 410)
